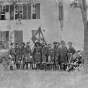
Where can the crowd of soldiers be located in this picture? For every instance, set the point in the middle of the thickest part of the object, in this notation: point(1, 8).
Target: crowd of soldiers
point(43, 53)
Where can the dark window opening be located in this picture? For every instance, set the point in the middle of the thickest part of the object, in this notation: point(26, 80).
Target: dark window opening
point(34, 16)
point(2, 17)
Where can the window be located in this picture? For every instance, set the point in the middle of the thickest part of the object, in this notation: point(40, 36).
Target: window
point(27, 11)
point(18, 9)
point(3, 9)
point(36, 11)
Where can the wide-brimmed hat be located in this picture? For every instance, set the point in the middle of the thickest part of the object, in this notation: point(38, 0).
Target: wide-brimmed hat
point(70, 43)
point(23, 43)
point(54, 42)
point(11, 44)
point(62, 42)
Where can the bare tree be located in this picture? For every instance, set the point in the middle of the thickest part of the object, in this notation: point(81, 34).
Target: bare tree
point(83, 7)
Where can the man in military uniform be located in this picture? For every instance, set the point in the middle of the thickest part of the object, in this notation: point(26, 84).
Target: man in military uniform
point(51, 53)
point(63, 55)
point(12, 55)
point(45, 53)
point(38, 55)
point(28, 54)
point(23, 54)
point(71, 51)
point(17, 56)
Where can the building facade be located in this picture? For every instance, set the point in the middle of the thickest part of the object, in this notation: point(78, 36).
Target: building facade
point(43, 13)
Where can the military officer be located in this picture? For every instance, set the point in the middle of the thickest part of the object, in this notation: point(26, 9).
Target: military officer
point(71, 50)
point(17, 56)
point(51, 53)
point(12, 55)
point(38, 53)
point(28, 54)
point(23, 54)
point(45, 53)
point(63, 58)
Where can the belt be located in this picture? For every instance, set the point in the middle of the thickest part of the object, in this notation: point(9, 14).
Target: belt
point(38, 53)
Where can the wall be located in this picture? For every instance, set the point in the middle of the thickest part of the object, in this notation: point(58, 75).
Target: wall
point(73, 26)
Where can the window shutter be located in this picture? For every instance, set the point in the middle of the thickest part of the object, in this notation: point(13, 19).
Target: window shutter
point(0, 12)
point(29, 11)
point(24, 11)
point(7, 35)
point(7, 8)
point(11, 12)
point(37, 6)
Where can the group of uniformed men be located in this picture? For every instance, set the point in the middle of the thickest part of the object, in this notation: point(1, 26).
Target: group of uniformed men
point(42, 53)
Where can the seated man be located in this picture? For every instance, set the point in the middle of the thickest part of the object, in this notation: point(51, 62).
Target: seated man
point(76, 61)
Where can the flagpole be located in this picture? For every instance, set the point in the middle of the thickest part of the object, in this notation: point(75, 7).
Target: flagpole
point(57, 21)
point(61, 17)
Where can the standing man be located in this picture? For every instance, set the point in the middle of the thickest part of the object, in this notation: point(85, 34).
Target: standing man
point(71, 51)
point(38, 54)
point(55, 51)
point(23, 54)
point(17, 56)
point(45, 53)
point(51, 53)
point(12, 55)
point(28, 54)
point(63, 55)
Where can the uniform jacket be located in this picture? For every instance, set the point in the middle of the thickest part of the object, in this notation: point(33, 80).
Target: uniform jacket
point(12, 53)
point(45, 50)
point(23, 54)
point(28, 49)
point(17, 54)
point(38, 54)
point(23, 50)
point(63, 54)
point(72, 51)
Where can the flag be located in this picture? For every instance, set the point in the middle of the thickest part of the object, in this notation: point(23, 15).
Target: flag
point(61, 10)
point(38, 36)
point(61, 14)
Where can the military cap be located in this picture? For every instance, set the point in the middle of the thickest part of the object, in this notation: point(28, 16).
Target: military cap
point(62, 42)
point(70, 43)
point(58, 43)
point(11, 44)
point(23, 43)
point(55, 43)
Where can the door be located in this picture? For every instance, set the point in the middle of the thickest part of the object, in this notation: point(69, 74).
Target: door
point(18, 36)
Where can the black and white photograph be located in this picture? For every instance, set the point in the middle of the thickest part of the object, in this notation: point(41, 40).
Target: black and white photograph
point(43, 43)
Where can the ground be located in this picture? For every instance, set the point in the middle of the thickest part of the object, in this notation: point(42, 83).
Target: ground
point(42, 79)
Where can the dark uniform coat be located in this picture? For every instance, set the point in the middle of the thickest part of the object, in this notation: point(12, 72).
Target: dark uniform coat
point(45, 53)
point(71, 51)
point(38, 54)
point(51, 54)
point(28, 53)
point(23, 54)
point(12, 53)
point(63, 55)
point(17, 54)
point(56, 53)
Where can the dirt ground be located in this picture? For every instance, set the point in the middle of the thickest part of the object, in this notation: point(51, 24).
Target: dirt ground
point(42, 79)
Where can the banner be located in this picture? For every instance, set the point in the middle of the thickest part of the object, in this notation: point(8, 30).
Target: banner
point(61, 10)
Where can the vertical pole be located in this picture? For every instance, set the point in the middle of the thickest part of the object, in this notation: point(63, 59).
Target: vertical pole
point(61, 18)
point(58, 34)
